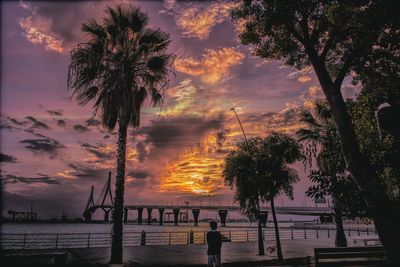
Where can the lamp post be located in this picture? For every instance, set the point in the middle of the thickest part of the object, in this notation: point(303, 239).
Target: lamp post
point(381, 116)
point(386, 116)
point(241, 127)
point(261, 250)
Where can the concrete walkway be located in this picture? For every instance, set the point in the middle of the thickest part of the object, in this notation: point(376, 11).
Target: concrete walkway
point(233, 254)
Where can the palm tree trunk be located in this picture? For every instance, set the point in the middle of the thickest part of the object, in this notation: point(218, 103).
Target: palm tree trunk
point(116, 246)
point(340, 240)
point(277, 238)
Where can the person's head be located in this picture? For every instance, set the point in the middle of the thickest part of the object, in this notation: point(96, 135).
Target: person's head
point(213, 225)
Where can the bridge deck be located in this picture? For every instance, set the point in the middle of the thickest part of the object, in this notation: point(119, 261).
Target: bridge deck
point(316, 211)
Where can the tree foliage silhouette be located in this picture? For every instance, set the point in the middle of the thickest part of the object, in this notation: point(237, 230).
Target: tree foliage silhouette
point(258, 170)
point(335, 38)
point(330, 177)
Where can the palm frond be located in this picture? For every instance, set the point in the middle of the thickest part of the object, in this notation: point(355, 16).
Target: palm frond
point(121, 64)
point(94, 29)
point(308, 135)
point(307, 117)
point(154, 40)
point(137, 19)
point(323, 111)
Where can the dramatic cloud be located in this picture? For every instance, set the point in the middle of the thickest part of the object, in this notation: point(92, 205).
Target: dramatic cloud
point(85, 171)
point(37, 124)
point(315, 91)
point(220, 140)
point(198, 23)
point(61, 123)
point(44, 24)
point(143, 150)
point(42, 145)
point(304, 79)
point(139, 174)
point(100, 150)
point(17, 122)
point(81, 128)
point(7, 158)
point(179, 149)
point(37, 29)
point(44, 179)
point(58, 112)
point(308, 97)
point(213, 66)
point(302, 75)
point(195, 171)
point(286, 120)
point(179, 132)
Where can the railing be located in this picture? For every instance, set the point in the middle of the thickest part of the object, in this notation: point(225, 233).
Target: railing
point(93, 240)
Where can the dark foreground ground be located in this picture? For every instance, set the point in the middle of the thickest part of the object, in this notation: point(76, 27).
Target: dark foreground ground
point(296, 253)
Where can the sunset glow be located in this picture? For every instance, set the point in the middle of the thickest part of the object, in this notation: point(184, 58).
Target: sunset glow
point(54, 150)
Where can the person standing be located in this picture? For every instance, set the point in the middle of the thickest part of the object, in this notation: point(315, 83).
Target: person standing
point(214, 241)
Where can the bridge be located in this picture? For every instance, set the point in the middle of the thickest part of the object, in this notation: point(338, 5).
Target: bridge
point(105, 203)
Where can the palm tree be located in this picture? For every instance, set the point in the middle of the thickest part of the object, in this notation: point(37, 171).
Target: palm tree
point(330, 178)
point(121, 63)
point(259, 171)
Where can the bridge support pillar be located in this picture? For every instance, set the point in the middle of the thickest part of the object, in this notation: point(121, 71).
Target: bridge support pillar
point(263, 216)
point(176, 215)
point(149, 215)
point(222, 216)
point(107, 215)
point(196, 213)
point(125, 215)
point(161, 219)
point(140, 215)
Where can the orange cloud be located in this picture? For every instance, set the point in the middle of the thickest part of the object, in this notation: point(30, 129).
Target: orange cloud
point(37, 30)
point(213, 66)
point(308, 97)
point(67, 174)
point(315, 91)
point(197, 23)
point(304, 79)
point(196, 172)
point(302, 75)
point(309, 104)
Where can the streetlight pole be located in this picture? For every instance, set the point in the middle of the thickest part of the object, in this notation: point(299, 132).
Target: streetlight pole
point(241, 127)
point(383, 107)
point(260, 235)
point(385, 117)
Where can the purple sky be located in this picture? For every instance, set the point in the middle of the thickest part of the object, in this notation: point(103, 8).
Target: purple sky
point(52, 155)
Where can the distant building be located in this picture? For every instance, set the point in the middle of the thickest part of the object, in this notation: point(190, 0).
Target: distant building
point(22, 216)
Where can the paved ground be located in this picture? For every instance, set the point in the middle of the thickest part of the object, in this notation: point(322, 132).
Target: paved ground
point(233, 254)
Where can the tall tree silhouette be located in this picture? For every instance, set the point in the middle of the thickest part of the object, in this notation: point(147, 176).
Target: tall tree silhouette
point(259, 171)
point(120, 64)
point(335, 38)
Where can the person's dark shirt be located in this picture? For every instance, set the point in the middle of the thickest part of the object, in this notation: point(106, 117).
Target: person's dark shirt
point(214, 241)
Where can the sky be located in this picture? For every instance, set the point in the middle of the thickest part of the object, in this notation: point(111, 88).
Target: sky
point(52, 152)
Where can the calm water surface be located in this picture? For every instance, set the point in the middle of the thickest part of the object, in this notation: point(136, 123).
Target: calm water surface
point(22, 228)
